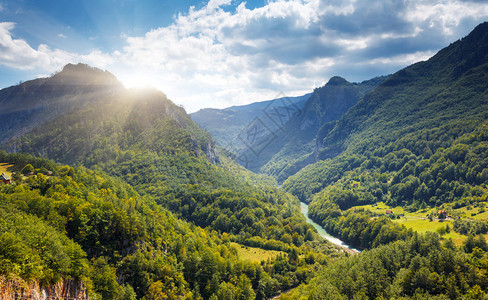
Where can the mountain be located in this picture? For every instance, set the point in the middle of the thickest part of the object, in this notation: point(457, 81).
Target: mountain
point(282, 150)
point(152, 144)
point(34, 102)
point(422, 109)
point(418, 141)
point(225, 125)
point(121, 120)
point(448, 87)
point(148, 233)
point(411, 156)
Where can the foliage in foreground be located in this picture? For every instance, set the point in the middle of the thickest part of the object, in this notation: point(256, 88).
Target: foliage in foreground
point(421, 267)
point(88, 226)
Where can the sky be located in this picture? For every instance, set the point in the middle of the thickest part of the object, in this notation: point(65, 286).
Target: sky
point(221, 53)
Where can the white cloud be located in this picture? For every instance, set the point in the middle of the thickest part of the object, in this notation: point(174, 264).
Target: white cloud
point(98, 59)
point(244, 53)
point(214, 4)
point(402, 59)
point(18, 54)
point(445, 15)
point(62, 35)
point(211, 57)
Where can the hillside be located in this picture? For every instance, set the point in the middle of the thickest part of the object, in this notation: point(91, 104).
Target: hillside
point(422, 267)
point(34, 102)
point(410, 156)
point(225, 125)
point(417, 141)
point(447, 89)
point(74, 232)
point(125, 119)
point(417, 112)
point(145, 139)
point(285, 149)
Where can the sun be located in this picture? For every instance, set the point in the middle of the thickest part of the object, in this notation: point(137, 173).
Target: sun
point(136, 80)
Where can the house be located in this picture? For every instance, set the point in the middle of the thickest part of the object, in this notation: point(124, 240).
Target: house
point(442, 214)
point(389, 212)
point(4, 178)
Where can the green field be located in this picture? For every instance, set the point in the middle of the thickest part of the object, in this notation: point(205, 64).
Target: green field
point(4, 167)
point(419, 221)
point(477, 213)
point(380, 208)
point(255, 254)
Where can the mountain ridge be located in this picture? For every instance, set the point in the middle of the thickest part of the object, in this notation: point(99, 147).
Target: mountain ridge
point(450, 58)
point(34, 102)
point(293, 145)
point(225, 125)
point(419, 111)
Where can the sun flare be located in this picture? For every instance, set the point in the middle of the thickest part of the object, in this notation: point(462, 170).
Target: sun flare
point(136, 80)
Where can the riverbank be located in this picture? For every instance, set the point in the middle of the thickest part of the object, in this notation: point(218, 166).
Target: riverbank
point(325, 234)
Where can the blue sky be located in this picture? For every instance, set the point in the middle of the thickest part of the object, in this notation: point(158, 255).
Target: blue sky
point(221, 53)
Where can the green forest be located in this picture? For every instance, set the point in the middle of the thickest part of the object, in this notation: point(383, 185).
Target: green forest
point(418, 267)
point(88, 226)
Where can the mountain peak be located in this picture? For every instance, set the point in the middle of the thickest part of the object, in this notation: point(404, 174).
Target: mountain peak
point(84, 74)
point(480, 31)
point(79, 67)
point(337, 80)
point(34, 102)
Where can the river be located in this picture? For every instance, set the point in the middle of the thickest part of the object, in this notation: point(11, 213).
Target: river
point(322, 232)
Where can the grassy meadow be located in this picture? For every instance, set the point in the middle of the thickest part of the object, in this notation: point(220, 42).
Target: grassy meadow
point(419, 221)
point(255, 254)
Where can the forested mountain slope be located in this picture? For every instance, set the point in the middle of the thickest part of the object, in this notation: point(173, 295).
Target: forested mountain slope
point(445, 91)
point(418, 140)
point(98, 237)
point(418, 111)
point(284, 150)
point(422, 267)
point(417, 144)
point(142, 118)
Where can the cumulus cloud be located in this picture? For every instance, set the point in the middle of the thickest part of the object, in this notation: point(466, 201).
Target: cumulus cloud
point(292, 46)
point(18, 54)
point(225, 54)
